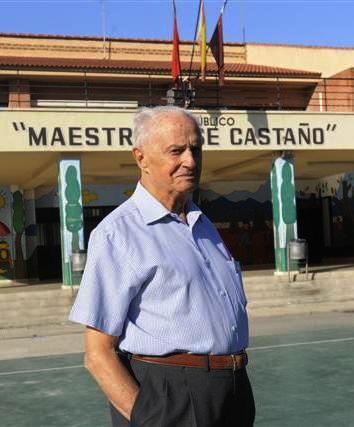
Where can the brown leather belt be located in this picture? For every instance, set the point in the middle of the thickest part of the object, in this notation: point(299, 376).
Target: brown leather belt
point(229, 361)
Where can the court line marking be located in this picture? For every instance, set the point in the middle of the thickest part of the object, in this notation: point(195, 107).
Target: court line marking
point(298, 344)
point(33, 371)
point(265, 347)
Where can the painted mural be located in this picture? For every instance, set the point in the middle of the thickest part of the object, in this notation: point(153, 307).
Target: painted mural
point(340, 190)
point(284, 209)
point(242, 211)
point(18, 238)
point(31, 234)
point(243, 218)
point(6, 249)
point(72, 236)
point(18, 223)
point(92, 195)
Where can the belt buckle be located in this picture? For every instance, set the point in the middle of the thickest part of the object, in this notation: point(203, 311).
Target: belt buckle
point(206, 362)
point(234, 362)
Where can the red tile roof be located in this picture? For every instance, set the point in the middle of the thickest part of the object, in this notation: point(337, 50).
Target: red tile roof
point(166, 41)
point(99, 38)
point(153, 67)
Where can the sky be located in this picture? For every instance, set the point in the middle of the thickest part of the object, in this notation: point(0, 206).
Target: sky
point(308, 22)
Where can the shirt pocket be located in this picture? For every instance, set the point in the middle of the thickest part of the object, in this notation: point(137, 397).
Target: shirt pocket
point(235, 269)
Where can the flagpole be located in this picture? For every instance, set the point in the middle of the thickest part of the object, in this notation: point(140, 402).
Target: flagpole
point(223, 7)
point(243, 23)
point(103, 18)
point(179, 77)
point(195, 37)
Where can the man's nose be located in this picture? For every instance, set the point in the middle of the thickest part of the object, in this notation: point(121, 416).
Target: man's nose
point(189, 159)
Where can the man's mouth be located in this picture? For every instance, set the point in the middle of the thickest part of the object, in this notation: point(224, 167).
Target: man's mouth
point(187, 175)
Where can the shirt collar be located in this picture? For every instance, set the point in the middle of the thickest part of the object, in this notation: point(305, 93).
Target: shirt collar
point(193, 213)
point(152, 210)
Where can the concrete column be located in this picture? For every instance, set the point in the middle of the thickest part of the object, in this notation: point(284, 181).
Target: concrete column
point(284, 208)
point(71, 214)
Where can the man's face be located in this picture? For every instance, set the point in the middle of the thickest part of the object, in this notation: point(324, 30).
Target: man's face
point(171, 158)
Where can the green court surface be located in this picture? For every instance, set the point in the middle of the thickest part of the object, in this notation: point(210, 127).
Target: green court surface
point(300, 379)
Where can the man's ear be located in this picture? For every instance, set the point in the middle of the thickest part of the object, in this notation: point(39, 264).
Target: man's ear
point(140, 159)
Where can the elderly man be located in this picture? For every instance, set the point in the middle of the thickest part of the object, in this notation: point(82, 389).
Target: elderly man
point(161, 296)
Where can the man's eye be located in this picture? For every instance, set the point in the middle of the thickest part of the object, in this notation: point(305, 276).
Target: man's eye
point(176, 151)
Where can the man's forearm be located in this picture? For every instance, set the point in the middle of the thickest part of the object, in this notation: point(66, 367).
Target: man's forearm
point(114, 379)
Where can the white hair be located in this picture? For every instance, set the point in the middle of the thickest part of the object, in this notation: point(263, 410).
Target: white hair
point(144, 115)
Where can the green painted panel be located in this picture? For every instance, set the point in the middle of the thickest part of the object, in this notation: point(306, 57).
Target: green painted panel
point(71, 216)
point(284, 210)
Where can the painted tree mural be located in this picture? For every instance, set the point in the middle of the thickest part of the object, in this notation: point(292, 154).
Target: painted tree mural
point(73, 209)
point(284, 209)
point(71, 217)
point(276, 214)
point(288, 205)
point(6, 263)
point(18, 221)
point(288, 201)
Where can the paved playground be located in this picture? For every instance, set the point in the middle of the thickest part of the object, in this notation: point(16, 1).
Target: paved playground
point(302, 371)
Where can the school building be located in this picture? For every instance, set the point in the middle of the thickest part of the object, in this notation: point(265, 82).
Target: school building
point(278, 158)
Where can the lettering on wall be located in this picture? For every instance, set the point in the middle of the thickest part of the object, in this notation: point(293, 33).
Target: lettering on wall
point(222, 131)
point(303, 134)
point(75, 135)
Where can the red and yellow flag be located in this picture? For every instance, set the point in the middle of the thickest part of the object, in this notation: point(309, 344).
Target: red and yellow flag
point(202, 40)
point(176, 64)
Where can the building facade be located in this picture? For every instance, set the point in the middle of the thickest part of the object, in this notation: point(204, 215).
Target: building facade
point(278, 145)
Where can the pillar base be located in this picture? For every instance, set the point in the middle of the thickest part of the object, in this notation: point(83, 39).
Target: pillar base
point(70, 287)
point(285, 273)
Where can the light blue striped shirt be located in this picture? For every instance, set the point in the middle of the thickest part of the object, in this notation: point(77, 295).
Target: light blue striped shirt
point(160, 284)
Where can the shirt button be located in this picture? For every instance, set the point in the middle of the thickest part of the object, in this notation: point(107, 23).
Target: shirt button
point(234, 328)
point(223, 293)
point(207, 263)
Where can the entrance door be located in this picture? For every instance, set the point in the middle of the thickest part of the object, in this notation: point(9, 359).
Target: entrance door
point(48, 250)
point(327, 222)
point(310, 226)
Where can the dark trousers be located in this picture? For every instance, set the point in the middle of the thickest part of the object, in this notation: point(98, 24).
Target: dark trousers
point(173, 396)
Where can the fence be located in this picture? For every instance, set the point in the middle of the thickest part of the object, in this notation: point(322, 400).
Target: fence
point(251, 93)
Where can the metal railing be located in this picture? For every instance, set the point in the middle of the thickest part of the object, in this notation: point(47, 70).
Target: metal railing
point(330, 94)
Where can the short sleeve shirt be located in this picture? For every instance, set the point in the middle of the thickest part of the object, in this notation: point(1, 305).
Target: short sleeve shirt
point(160, 284)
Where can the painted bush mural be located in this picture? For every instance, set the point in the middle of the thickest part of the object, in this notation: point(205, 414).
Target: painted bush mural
point(288, 201)
point(284, 208)
point(18, 223)
point(73, 208)
point(276, 215)
point(6, 254)
point(70, 203)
